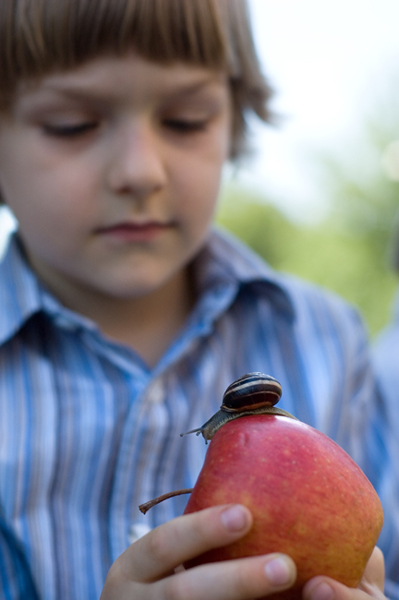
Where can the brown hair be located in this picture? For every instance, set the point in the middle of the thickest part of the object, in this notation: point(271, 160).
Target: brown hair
point(41, 36)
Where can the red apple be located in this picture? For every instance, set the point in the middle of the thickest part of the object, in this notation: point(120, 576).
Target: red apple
point(307, 496)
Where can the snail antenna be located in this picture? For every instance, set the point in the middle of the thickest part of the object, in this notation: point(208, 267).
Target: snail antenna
point(196, 431)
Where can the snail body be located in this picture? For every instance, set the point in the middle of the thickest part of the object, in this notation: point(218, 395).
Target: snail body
point(251, 394)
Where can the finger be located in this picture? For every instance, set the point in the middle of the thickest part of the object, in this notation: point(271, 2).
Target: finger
point(371, 585)
point(323, 588)
point(240, 579)
point(160, 551)
point(374, 574)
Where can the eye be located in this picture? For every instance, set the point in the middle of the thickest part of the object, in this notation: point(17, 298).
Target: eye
point(69, 130)
point(186, 125)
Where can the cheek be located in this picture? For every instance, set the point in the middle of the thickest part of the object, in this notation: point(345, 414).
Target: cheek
point(50, 215)
point(43, 198)
point(198, 194)
point(38, 203)
point(199, 175)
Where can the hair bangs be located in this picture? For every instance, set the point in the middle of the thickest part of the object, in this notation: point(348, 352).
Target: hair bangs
point(39, 36)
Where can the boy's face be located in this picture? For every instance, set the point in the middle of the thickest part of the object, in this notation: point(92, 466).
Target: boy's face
point(113, 170)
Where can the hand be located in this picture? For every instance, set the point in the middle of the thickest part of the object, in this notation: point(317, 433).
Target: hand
point(371, 585)
point(150, 568)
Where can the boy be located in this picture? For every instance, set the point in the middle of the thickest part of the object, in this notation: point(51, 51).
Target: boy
point(125, 316)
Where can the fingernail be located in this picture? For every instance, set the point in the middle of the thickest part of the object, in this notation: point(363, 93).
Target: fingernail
point(278, 572)
point(234, 518)
point(321, 591)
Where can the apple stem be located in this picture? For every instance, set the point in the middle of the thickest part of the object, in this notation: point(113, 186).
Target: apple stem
point(147, 505)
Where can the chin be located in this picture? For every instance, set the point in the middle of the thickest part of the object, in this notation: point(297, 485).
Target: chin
point(136, 290)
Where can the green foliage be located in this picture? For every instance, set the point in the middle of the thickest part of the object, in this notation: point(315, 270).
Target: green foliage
point(356, 250)
point(352, 265)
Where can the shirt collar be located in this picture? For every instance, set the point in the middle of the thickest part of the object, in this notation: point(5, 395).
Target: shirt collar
point(225, 260)
point(22, 295)
point(223, 264)
point(19, 292)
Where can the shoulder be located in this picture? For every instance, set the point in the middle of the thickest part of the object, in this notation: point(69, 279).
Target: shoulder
point(327, 329)
point(388, 338)
point(314, 319)
point(304, 300)
point(312, 301)
point(385, 354)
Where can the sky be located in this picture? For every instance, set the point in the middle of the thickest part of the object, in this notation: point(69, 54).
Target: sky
point(324, 58)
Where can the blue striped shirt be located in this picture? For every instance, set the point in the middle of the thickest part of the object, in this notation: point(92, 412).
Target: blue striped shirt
point(88, 431)
point(386, 362)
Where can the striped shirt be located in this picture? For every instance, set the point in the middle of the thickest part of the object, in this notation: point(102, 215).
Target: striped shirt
point(88, 431)
point(386, 363)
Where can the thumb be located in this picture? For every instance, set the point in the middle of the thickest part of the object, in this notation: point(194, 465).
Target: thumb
point(374, 574)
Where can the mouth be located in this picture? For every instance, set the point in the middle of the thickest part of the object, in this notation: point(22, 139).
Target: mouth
point(134, 231)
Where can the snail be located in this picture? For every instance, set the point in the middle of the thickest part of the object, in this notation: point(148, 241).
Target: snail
point(251, 394)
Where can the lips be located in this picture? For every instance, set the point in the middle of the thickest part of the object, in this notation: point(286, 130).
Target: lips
point(135, 231)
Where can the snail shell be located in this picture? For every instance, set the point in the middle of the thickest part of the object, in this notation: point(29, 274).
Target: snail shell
point(251, 391)
point(251, 394)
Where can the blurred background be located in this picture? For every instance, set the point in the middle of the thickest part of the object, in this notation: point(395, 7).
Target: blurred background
point(319, 194)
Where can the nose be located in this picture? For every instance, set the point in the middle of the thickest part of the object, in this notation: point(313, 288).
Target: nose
point(136, 167)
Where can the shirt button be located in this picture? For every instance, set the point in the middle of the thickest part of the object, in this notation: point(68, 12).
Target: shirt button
point(136, 531)
point(155, 392)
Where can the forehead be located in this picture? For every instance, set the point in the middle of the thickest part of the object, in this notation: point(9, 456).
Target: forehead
point(130, 77)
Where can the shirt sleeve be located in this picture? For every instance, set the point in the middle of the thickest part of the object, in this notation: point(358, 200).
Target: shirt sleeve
point(369, 427)
point(384, 450)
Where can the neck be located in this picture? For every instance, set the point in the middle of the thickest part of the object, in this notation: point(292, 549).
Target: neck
point(151, 323)
point(148, 324)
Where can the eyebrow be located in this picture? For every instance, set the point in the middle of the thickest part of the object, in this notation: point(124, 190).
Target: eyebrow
point(82, 91)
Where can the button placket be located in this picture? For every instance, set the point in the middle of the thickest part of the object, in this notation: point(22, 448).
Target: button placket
point(155, 392)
